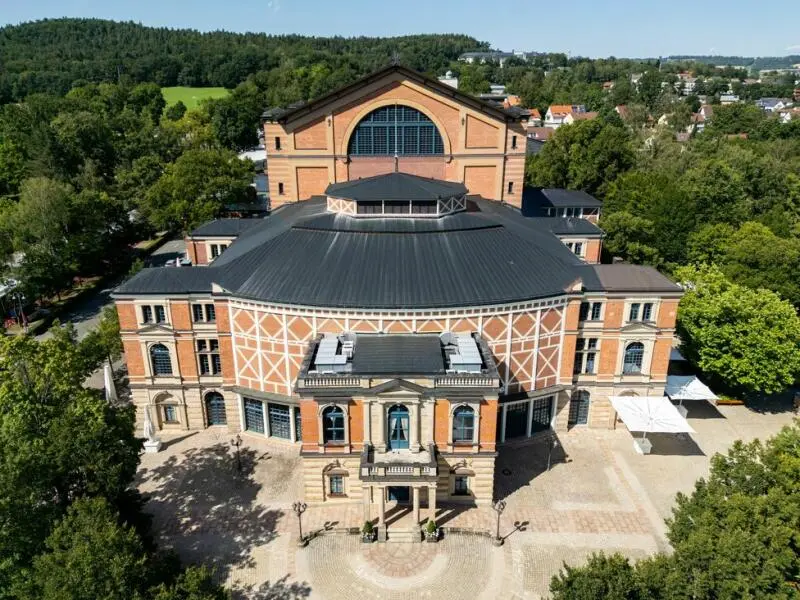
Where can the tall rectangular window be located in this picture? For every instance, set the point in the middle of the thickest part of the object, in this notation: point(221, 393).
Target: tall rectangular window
point(211, 313)
point(208, 357)
point(197, 313)
point(597, 308)
point(513, 141)
point(277, 143)
point(161, 315)
point(461, 485)
point(584, 312)
point(510, 187)
point(634, 314)
point(647, 312)
point(147, 314)
point(280, 189)
point(585, 356)
point(337, 485)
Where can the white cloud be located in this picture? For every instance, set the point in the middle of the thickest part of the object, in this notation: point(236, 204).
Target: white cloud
point(794, 48)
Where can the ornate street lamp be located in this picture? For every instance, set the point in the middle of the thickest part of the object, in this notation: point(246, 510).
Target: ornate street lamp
point(299, 508)
point(498, 507)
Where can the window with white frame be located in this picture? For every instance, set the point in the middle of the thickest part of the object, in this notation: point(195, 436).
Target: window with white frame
point(153, 313)
point(585, 356)
point(217, 249)
point(160, 360)
point(204, 313)
point(591, 311)
point(463, 424)
point(634, 358)
point(647, 312)
point(208, 357)
point(641, 311)
point(576, 247)
point(333, 425)
point(461, 485)
point(169, 413)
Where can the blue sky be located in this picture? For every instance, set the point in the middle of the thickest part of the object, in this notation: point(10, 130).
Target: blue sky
point(581, 27)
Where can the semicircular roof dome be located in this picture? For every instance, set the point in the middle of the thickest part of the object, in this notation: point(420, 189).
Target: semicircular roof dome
point(302, 255)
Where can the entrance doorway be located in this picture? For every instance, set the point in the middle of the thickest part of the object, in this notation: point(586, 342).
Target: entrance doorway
point(399, 494)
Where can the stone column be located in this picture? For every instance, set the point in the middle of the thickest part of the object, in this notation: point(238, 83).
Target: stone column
point(381, 441)
point(292, 424)
point(381, 507)
point(503, 423)
point(366, 501)
point(415, 500)
point(367, 423)
point(432, 502)
point(413, 435)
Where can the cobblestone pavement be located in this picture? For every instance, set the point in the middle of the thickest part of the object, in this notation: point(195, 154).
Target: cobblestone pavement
point(597, 495)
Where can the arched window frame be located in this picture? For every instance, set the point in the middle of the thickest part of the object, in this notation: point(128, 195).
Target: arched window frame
point(163, 370)
point(633, 358)
point(321, 425)
point(206, 397)
point(459, 427)
point(476, 412)
point(396, 128)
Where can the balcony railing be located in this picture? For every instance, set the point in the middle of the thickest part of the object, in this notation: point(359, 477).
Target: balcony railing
point(373, 467)
point(465, 380)
point(329, 381)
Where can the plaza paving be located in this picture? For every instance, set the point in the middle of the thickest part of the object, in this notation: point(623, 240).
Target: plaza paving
point(598, 495)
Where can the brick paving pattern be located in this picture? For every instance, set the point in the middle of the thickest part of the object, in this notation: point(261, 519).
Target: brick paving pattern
point(597, 495)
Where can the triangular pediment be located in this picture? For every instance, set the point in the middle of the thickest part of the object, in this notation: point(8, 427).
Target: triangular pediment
point(156, 328)
point(397, 386)
point(639, 326)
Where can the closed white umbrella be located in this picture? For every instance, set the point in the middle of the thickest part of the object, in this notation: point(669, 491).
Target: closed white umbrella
point(110, 388)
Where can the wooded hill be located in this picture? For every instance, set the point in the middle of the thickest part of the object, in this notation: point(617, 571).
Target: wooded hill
point(53, 55)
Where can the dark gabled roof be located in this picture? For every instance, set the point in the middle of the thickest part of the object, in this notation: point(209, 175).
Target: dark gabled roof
point(224, 228)
point(624, 277)
point(168, 280)
point(282, 115)
point(571, 226)
point(535, 198)
point(396, 186)
point(398, 354)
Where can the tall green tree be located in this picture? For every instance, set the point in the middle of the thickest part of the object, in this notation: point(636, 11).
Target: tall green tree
point(89, 556)
point(197, 187)
point(745, 340)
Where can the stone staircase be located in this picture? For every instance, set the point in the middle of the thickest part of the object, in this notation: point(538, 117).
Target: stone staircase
point(403, 535)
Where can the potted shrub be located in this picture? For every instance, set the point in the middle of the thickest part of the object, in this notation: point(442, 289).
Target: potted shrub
point(368, 532)
point(431, 531)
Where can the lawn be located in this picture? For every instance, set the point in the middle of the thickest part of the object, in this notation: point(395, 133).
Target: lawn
point(191, 96)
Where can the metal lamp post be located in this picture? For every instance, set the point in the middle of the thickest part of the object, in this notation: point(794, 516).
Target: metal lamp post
point(237, 443)
point(299, 508)
point(498, 507)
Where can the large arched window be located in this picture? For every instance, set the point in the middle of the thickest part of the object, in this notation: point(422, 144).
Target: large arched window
point(159, 356)
point(634, 354)
point(463, 424)
point(391, 130)
point(398, 427)
point(333, 425)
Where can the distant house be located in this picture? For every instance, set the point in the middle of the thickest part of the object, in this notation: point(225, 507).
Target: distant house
point(535, 118)
point(772, 105)
point(635, 78)
point(540, 133)
point(494, 56)
point(726, 99)
point(579, 116)
point(608, 86)
point(557, 113)
point(449, 79)
point(700, 119)
point(623, 111)
point(547, 202)
point(787, 115)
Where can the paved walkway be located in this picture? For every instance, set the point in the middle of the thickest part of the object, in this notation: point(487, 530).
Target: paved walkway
point(598, 495)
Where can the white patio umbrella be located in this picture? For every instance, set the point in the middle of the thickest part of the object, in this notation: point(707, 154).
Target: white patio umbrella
point(110, 388)
point(650, 414)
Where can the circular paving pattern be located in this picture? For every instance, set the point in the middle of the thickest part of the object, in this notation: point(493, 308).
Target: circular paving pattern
point(341, 567)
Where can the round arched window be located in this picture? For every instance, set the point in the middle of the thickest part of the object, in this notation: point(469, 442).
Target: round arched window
point(399, 130)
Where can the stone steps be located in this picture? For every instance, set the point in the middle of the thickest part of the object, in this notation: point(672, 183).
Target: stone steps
point(403, 535)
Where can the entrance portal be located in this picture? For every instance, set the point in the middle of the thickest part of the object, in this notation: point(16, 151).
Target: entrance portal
point(399, 494)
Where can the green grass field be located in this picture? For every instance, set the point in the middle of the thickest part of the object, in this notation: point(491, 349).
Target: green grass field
point(191, 96)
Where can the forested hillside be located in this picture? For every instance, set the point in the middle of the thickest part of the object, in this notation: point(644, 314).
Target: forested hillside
point(52, 55)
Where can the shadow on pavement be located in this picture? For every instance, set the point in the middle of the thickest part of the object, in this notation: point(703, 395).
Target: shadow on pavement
point(206, 510)
point(281, 589)
point(518, 464)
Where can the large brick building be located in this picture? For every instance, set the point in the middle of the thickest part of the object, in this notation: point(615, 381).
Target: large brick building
point(397, 326)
